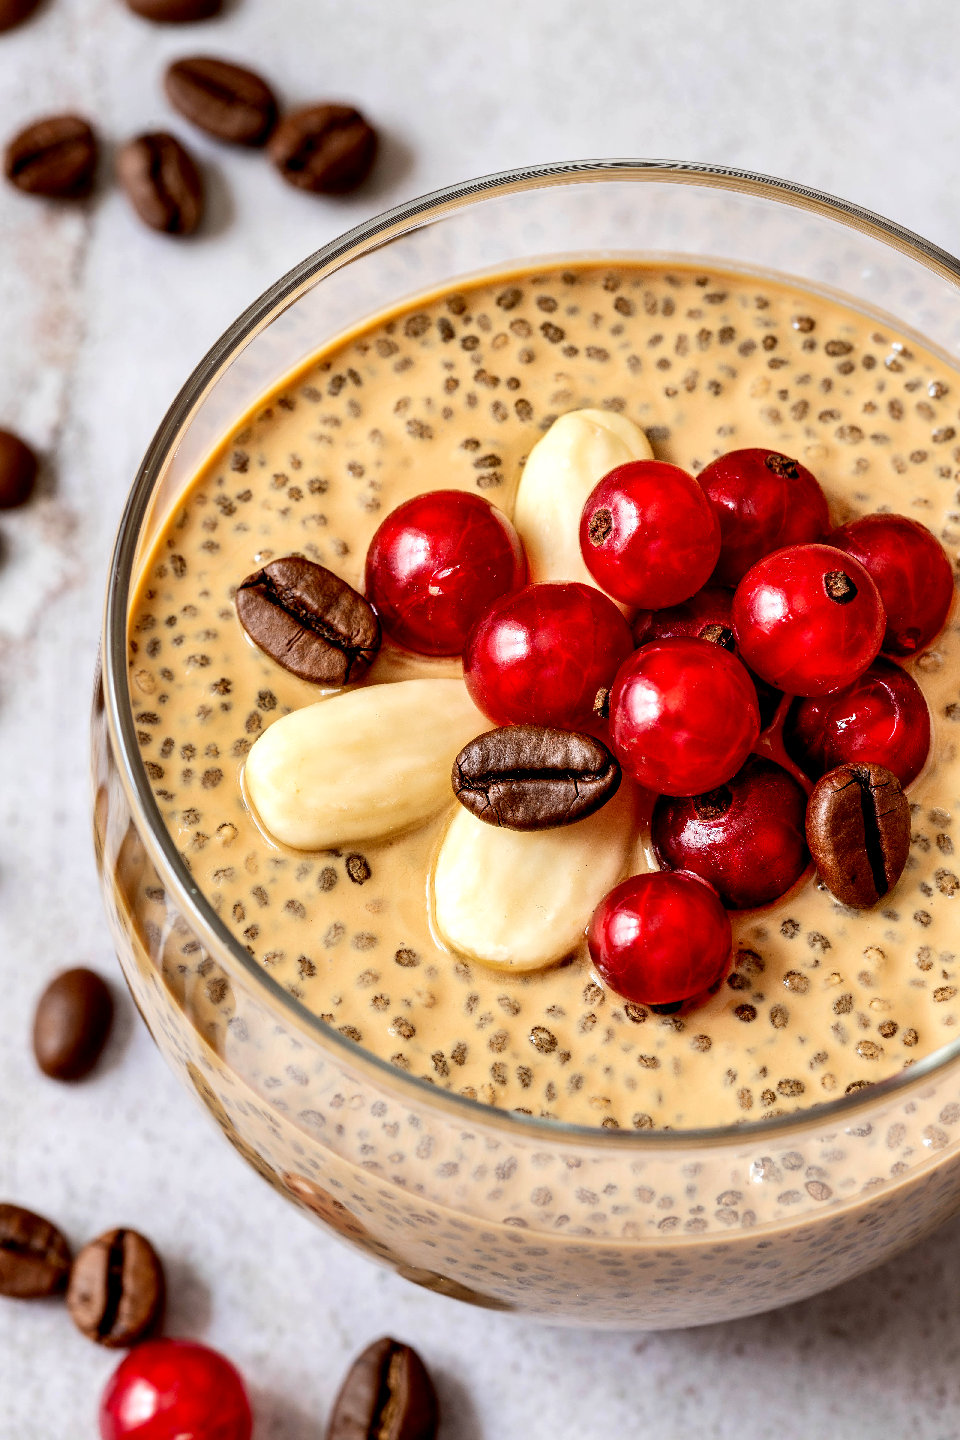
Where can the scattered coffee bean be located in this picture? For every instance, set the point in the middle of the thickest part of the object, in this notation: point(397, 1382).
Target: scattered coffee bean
point(529, 777)
point(55, 157)
point(18, 470)
point(227, 101)
point(175, 12)
point(71, 1024)
point(116, 1291)
point(12, 12)
point(34, 1256)
point(858, 830)
point(327, 149)
point(387, 1395)
point(309, 621)
point(162, 183)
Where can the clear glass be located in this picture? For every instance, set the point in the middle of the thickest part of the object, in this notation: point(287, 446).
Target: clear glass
point(572, 1225)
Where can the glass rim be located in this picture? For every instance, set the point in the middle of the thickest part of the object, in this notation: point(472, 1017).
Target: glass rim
point(362, 238)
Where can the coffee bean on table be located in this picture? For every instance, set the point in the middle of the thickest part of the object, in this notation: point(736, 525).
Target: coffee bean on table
point(18, 470)
point(309, 621)
point(227, 101)
point(34, 1256)
point(530, 777)
point(387, 1395)
point(175, 12)
point(327, 149)
point(858, 831)
point(55, 157)
point(162, 183)
point(13, 11)
point(116, 1291)
point(71, 1024)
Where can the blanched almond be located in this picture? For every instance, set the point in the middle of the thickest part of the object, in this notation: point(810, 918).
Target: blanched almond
point(361, 764)
point(562, 469)
point(521, 900)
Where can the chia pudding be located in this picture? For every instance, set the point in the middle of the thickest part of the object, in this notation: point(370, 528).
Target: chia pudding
point(453, 391)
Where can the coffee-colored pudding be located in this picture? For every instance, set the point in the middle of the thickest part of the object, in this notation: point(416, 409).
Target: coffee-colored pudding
point(454, 391)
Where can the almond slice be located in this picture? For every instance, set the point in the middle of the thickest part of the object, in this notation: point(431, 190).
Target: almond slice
point(521, 900)
point(361, 764)
point(562, 469)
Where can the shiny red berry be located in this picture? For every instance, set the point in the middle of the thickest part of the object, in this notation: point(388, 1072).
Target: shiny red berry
point(648, 534)
point(911, 570)
point(436, 563)
point(660, 939)
point(807, 621)
point(746, 838)
point(683, 716)
point(764, 501)
point(175, 1390)
point(708, 615)
point(541, 655)
point(882, 718)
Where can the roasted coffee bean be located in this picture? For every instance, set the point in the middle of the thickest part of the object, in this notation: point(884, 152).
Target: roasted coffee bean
point(71, 1024)
point(162, 183)
point(309, 621)
point(858, 831)
point(529, 777)
point(175, 12)
point(327, 149)
point(116, 1290)
point(13, 11)
point(227, 101)
point(55, 157)
point(34, 1256)
point(387, 1395)
point(18, 470)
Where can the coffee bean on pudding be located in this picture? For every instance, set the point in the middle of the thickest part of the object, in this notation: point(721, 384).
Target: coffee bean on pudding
point(13, 11)
point(387, 1395)
point(34, 1256)
point(55, 157)
point(309, 621)
point(116, 1290)
point(71, 1024)
point(530, 777)
point(18, 470)
point(162, 183)
point(327, 149)
point(858, 831)
point(227, 101)
point(175, 12)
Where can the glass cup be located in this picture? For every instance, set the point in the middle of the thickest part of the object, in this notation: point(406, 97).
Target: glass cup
point(570, 1224)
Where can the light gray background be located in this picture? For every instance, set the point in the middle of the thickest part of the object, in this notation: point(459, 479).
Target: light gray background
point(100, 321)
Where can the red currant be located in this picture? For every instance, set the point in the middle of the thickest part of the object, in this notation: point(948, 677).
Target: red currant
point(763, 501)
point(660, 939)
point(806, 621)
point(436, 563)
point(911, 570)
point(745, 838)
point(708, 615)
point(881, 718)
point(649, 535)
point(175, 1390)
point(540, 656)
point(683, 716)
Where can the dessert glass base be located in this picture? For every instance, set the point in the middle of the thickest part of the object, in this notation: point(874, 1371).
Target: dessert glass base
point(571, 1223)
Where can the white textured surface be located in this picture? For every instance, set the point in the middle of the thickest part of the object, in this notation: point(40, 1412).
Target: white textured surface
point(99, 323)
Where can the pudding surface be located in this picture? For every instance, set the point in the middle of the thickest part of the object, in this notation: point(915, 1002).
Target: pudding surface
point(453, 391)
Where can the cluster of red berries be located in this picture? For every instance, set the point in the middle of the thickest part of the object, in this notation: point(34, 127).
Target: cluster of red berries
point(745, 598)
